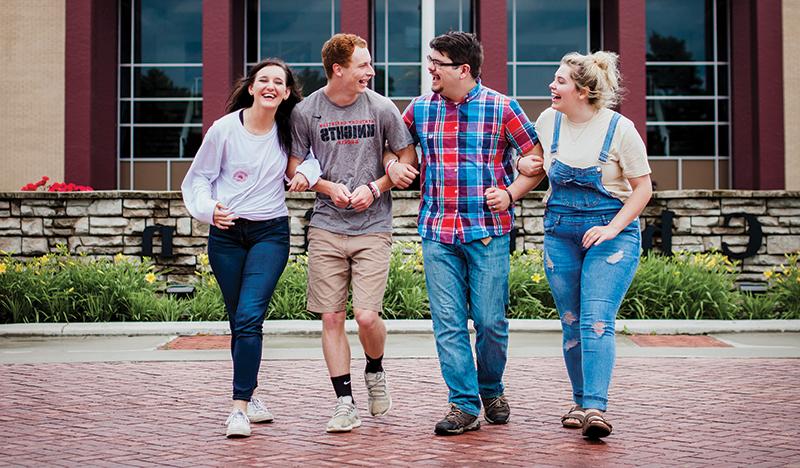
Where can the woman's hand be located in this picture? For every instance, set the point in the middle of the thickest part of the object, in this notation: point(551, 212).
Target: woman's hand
point(340, 195)
point(299, 183)
point(530, 166)
point(497, 199)
point(223, 218)
point(598, 234)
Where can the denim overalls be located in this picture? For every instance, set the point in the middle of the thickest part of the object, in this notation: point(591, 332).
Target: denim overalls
point(588, 285)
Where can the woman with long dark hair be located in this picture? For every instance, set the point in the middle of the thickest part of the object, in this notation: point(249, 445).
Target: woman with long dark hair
point(236, 184)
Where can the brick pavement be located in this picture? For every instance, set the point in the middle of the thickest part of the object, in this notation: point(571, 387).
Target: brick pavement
point(666, 411)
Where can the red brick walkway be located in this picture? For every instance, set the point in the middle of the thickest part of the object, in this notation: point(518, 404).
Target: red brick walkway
point(684, 412)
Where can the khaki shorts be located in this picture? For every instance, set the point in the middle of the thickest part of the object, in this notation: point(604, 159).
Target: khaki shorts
point(336, 260)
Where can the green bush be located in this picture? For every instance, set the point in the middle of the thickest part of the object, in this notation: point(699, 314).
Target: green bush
point(61, 287)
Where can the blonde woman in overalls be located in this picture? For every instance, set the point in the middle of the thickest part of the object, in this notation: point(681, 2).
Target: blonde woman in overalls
point(599, 177)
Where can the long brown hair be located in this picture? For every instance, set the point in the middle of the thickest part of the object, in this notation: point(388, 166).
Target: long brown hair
point(240, 98)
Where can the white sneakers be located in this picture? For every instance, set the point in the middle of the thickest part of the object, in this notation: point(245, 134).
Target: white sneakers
point(257, 412)
point(238, 423)
point(345, 416)
point(378, 397)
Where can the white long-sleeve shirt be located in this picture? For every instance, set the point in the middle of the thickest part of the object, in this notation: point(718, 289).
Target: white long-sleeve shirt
point(243, 171)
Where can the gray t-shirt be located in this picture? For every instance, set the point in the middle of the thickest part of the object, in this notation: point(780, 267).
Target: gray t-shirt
point(348, 142)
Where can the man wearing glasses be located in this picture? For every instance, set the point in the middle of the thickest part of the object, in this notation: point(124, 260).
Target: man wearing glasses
point(468, 134)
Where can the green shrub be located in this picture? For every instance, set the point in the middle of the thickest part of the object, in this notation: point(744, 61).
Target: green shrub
point(61, 287)
point(683, 286)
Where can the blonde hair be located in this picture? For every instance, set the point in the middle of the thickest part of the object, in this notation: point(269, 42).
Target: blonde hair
point(599, 74)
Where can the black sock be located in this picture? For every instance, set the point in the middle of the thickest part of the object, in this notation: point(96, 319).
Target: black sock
point(374, 364)
point(341, 385)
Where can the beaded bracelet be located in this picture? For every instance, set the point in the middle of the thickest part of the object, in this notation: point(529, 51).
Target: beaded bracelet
point(510, 197)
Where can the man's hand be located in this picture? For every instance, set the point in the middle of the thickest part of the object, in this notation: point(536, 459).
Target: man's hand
point(497, 199)
point(362, 198)
point(531, 165)
point(223, 218)
point(299, 183)
point(341, 195)
point(402, 174)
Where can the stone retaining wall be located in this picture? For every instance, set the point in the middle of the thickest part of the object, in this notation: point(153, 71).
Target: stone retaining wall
point(106, 223)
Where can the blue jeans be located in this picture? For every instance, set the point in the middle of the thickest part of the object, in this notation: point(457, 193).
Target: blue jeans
point(247, 260)
point(588, 286)
point(469, 281)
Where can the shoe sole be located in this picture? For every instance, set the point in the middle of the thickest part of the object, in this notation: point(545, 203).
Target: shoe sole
point(496, 422)
point(236, 435)
point(472, 427)
point(254, 419)
point(595, 432)
point(344, 429)
point(383, 413)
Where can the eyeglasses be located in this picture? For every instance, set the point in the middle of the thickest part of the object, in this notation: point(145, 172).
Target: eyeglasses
point(438, 63)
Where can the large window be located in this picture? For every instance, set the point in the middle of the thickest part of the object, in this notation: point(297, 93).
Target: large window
point(688, 105)
point(292, 33)
point(160, 91)
point(540, 32)
point(402, 31)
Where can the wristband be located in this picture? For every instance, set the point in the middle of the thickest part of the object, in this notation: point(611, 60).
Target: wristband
point(373, 187)
point(510, 197)
point(516, 165)
point(389, 164)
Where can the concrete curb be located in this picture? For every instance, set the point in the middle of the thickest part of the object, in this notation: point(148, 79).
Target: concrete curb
point(314, 327)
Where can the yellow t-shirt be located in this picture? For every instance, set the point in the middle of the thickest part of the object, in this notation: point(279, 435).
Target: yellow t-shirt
point(579, 145)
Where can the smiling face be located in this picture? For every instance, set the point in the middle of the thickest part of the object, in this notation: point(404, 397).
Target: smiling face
point(358, 72)
point(565, 95)
point(269, 87)
point(443, 77)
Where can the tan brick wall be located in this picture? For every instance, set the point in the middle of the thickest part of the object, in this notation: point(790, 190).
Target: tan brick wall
point(31, 91)
point(791, 98)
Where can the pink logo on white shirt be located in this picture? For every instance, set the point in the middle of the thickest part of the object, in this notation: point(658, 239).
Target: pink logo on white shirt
point(240, 176)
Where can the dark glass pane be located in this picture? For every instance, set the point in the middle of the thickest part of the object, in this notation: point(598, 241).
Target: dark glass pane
point(546, 30)
point(379, 81)
point(251, 37)
point(680, 140)
point(533, 80)
point(661, 110)
point(124, 142)
point(168, 82)
point(166, 142)
point(724, 135)
point(379, 55)
point(722, 87)
point(177, 112)
point(511, 80)
point(722, 31)
point(680, 80)
point(311, 78)
point(337, 17)
point(680, 30)
point(453, 15)
point(404, 81)
point(124, 112)
point(125, 81)
point(169, 32)
point(125, 31)
point(724, 111)
point(404, 31)
point(292, 33)
point(595, 25)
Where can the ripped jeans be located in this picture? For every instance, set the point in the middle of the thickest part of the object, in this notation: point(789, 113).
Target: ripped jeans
point(588, 286)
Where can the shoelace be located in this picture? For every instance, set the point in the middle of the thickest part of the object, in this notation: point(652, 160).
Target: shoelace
point(236, 415)
point(454, 413)
point(378, 388)
point(257, 404)
point(501, 400)
point(342, 409)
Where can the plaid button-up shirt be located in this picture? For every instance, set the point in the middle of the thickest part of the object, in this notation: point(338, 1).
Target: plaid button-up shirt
point(467, 147)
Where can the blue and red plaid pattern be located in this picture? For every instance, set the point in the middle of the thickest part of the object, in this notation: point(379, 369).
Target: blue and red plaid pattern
point(466, 148)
